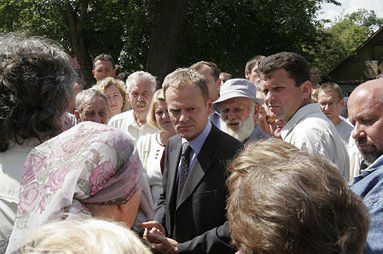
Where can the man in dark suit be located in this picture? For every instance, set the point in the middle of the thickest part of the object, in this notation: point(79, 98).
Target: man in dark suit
point(191, 214)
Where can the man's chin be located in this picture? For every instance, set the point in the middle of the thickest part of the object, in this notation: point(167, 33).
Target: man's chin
point(371, 155)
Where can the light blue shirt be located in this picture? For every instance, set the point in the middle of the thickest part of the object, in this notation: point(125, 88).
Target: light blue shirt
point(197, 143)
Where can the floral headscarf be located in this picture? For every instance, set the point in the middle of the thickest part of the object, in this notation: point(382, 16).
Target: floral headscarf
point(89, 164)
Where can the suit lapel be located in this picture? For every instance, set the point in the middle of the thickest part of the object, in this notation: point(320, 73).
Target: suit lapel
point(204, 160)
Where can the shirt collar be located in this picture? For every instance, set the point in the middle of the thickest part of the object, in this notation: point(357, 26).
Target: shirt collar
point(298, 116)
point(197, 143)
point(373, 166)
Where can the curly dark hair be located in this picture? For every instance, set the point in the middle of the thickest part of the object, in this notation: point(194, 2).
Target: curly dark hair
point(35, 88)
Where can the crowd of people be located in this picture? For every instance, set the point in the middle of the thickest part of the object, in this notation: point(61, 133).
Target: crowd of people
point(201, 162)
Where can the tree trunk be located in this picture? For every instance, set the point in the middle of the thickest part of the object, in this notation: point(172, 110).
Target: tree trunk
point(76, 25)
point(168, 26)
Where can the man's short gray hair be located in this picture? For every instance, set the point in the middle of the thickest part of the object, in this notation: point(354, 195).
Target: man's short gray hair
point(137, 76)
point(87, 95)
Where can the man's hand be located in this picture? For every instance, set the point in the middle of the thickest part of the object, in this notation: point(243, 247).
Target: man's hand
point(270, 124)
point(158, 243)
point(153, 224)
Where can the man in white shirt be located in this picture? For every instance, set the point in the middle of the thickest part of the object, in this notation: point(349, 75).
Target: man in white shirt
point(330, 99)
point(140, 87)
point(285, 81)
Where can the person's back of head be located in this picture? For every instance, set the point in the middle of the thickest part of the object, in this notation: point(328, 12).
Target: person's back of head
point(292, 202)
point(35, 88)
point(91, 236)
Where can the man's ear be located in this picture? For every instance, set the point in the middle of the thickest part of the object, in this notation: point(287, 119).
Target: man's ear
point(210, 105)
point(77, 115)
point(93, 72)
point(341, 102)
point(306, 89)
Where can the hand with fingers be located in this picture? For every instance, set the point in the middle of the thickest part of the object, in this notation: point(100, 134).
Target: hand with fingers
point(159, 243)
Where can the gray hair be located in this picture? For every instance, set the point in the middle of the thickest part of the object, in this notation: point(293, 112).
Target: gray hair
point(137, 76)
point(35, 88)
point(87, 95)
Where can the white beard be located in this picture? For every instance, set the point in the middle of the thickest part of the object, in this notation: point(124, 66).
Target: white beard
point(245, 128)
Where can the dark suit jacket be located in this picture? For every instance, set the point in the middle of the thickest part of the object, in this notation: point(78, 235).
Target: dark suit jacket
point(200, 217)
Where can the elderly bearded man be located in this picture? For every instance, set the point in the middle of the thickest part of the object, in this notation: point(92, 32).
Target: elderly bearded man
point(239, 107)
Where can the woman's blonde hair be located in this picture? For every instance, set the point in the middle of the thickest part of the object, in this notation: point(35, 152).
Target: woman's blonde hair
point(90, 236)
point(151, 116)
point(107, 82)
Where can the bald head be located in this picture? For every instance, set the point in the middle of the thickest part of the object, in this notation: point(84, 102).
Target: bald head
point(365, 106)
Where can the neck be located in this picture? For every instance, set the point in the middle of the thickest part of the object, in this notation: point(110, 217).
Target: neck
point(336, 121)
point(140, 119)
point(165, 135)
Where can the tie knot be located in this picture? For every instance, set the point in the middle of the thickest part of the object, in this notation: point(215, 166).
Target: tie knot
point(185, 148)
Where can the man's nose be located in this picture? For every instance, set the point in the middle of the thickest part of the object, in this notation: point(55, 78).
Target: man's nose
point(184, 117)
point(268, 97)
point(231, 115)
point(358, 131)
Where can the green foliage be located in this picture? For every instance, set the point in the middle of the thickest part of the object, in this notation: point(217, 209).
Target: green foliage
point(224, 31)
point(231, 32)
point(343, 38)
point(103, 26)
point(136, 35)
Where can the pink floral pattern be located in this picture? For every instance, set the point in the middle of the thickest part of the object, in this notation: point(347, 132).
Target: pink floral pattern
point(33, 166)
point(29, 197)
point(100, 175)
point(71, 170)
point(56, 178)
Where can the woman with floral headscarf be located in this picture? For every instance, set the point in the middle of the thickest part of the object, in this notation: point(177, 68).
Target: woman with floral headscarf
point(89, 170)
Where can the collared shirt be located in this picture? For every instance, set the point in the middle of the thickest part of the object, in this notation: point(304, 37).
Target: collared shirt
point(197, 143)
point(127, 123)
point(215, 119)
point(344, 128)
point(311, 130)
point(369, 186)
point(257, 134)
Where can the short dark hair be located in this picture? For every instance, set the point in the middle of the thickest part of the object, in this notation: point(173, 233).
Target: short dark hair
point(103, 57)
point(253, 62)
point(123, 76)
point(295, 65)
point(214, 67)
point(285, 200)
point(35, 88)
